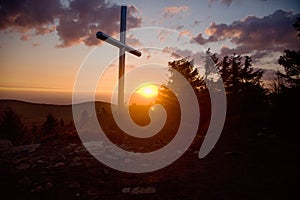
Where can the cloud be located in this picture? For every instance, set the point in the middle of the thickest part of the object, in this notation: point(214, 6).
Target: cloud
point(254, 35)
point(179, 27)
point(224, 2)
point(24, 37)
point(176, 53)
point(200, 39)
point(83, 20)
point(163, 35)
point(133, 41)
point(174, 10)
point(196, 23)
point(36, 44)
point(75, 21)
point(185, 33)
point(25, 15)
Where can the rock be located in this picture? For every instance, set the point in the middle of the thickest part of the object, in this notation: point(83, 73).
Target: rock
point(138, 190)
point(126, 190)
point(259, 134)
point(59, 164)
point(100, 181)
point(232, 153)
point(105, 171)
point(25, 148)
point(42, 187)
point(22, 166)
point(93, 194)
point(5, 145)
point(25, 181)
point(39, 188)
point(40, 162)
point(48, 185)
point(18, 161)
point(74, 185)
point(72, 144)
point(75, 164)
point(141, 190)
point(77, 159)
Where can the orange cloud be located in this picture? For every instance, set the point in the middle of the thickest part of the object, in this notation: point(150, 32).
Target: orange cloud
point(174, 10)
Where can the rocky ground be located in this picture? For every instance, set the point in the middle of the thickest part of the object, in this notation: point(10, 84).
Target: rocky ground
point(260, 166)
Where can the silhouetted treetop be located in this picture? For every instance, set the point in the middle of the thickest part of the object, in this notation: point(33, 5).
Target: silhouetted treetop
point(290, 61)
point(11, 126)
point(185, 67)
point(238, 74)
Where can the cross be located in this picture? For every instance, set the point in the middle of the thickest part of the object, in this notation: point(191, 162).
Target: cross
point(122, 48)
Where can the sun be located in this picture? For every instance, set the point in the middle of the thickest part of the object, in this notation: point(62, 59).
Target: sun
point(148, 91)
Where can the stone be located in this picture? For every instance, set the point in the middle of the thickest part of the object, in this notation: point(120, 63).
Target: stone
point(126, 190)
point(77, 159)
point(25, 148)
point(59, 164)
point(74, 185)
point(48, 185)
point(25, 181)
point(232, 153)
point(72, 144)
point(75, 164)
point(5, 145)
point(39, 188)
point(40, 162)
point(23, 166)
point(139, 190)
point(18, 161)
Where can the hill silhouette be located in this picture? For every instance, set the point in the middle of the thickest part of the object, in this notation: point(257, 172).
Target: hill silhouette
point(36, 112)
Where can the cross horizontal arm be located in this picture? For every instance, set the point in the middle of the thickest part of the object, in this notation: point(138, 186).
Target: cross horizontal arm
point(102, 36)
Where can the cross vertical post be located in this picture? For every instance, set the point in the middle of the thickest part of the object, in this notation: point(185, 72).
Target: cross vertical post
point(122, 57)
point(122, 49)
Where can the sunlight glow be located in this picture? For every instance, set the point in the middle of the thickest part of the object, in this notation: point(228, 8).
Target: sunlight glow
point(148, 91)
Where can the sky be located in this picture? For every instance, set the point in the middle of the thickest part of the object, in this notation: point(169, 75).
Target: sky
point(44, 44)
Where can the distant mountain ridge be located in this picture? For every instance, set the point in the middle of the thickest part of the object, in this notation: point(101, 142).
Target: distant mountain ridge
point(36, 112)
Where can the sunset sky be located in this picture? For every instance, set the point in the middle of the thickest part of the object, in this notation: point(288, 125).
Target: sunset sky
point(44, 43)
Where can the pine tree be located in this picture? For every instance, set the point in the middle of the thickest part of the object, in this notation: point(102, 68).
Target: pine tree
point(185, 67)
point(11, 126)
point(242, 82)
point(50, 125)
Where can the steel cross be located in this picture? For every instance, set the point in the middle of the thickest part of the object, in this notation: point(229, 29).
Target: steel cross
point(122, 48)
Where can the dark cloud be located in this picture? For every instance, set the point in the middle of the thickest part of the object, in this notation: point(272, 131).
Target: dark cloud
point(25, 15)
point(254, 35)
point(200, 39)
point(75, 21)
